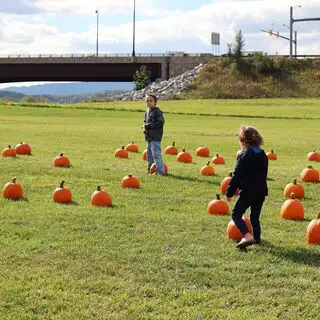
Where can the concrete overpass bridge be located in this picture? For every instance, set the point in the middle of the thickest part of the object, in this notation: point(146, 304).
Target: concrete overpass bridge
point(108, 67)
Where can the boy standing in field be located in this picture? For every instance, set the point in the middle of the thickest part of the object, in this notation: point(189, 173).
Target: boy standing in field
point(250, 176)
point(153, 131)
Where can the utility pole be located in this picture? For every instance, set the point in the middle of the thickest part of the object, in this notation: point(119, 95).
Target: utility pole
point(97, 46)
point(134, 29)
point(292, 20)
point(291, 23)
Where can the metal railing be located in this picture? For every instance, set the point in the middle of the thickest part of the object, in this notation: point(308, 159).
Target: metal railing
point(100, 55)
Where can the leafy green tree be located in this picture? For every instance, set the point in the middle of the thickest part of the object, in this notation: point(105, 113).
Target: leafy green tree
point(141, 78)
point(239, 45)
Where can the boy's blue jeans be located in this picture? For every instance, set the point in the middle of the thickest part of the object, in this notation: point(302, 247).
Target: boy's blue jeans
point(154, 155)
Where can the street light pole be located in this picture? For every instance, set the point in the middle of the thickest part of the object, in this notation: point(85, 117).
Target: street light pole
point(97, 47)
point(295, 44)
point(134, 29)
point(291, 23)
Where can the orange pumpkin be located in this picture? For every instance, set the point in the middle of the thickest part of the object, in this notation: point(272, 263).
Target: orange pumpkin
point(144, 155)
point(314, 156)
point(153, 168)
point(62, 194)
point(130, 181)
point(272, 155)
point(101, 198)
point(233, 231)
point(225, 183)
point(217, 159)
point(184, 156)
point(9, 152)
point(292, 209)
point(295, 188)
point(313, 231)
point(12, 190)
point(218, 206)
point(132, 147)
point(61, 161)
point(121, 153)
point(23, 148)
point(207, 170)
point(239, 152)
point(173, 150)
point(310, 174)
point(203, 151)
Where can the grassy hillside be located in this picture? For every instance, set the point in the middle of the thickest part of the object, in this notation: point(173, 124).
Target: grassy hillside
point(257, 77)
point(156, 254)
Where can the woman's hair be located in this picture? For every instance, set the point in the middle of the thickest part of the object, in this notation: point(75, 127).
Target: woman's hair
point(153, 96)
point(249, 136)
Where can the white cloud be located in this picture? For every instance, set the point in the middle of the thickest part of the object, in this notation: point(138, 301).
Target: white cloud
point(188, 31)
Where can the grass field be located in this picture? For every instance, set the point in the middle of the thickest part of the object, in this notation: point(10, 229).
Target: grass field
point(156, 254)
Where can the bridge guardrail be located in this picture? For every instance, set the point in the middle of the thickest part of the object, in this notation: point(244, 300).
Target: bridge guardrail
point(101, 55)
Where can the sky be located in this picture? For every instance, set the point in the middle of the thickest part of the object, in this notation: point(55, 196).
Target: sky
point(70, 26)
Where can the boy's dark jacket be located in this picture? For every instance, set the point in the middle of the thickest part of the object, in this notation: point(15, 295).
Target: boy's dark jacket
point(250, 174)
point(153, 121)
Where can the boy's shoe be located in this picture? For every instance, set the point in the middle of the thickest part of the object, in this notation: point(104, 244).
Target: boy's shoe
point(157, 173)
point(245, 242)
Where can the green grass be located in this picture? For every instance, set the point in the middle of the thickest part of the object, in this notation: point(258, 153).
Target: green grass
point(156, 254)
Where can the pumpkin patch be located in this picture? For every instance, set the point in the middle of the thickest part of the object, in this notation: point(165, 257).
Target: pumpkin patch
point(309, 174)
point(172, 150)
point(132, 147)
point(218, 206)
point(313, 231)
point(203, 152)
point(62, 161)
point(217, 159)
point(9, 152)
point(121, 153)
point(296, 188)
point(101, 198)
point(130, 181)
point(233, 231)
point(62, 194)
point(184, 156)
point(207, 170)
point(292, 209)
point(12, 190)
point(272, 155)
point(23, 149)
point(313, 156)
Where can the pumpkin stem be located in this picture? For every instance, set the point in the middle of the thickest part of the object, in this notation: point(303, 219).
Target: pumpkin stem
point(295, 181)
point(230, 174)
point(98, 188)
point(218, 196)
point(310, 167)
point(292, 195)
point(217, 155)
point(173, 143)
point(208, 163)
point(318, 216)
point(184, 150)
point(61, 184)
point(132, 142)
point(14, 179)
point(130, 175)
point(9, 146)
point(122, 147)
point(61, 154)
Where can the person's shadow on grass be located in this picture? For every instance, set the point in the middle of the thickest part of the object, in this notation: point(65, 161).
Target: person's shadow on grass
point(192, 179)
point(299, 255)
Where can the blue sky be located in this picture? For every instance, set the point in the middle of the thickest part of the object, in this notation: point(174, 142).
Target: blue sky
point(69, 26)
